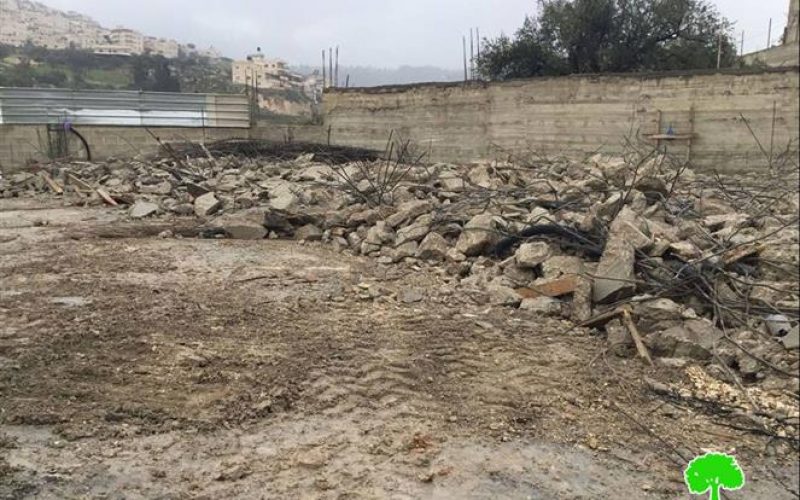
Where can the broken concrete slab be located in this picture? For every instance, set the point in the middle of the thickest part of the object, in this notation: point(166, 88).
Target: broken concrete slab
point(708, 205)
point(559, 265)
point(163, 188)
point(520, 277)
point(380, 234)
point(195, 190)
point(433, 247)
point(369, 248)
point(685, 250)
point(479, 233)
point(694, 339)
point(409, 211)
point(308, 232)
point(414, 232)
point(654, 188)
point(282, 197)
point(538, 215)
point(206, 205)
point(615, 277)
point(530, 255)
point(404, 251)
point(278, 222)
point(502, 295)
point(142, 209)
point(547, 306)
point(657, 315)
point(367, 216)
point(631, 227)
point(245, 225)
point(715, 223)
point(792, 339)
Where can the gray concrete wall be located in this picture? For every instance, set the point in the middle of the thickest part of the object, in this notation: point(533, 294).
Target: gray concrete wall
point(578, 114)
point(22, 144)
point(566, 115)
point(782, 55)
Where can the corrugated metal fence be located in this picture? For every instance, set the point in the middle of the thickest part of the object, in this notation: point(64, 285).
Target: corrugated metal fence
point(122, 107)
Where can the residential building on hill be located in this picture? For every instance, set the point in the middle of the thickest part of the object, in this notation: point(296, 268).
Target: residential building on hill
point(25, 21)
point(259, 72)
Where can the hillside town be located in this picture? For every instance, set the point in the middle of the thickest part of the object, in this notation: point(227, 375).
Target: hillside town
point(25, 21)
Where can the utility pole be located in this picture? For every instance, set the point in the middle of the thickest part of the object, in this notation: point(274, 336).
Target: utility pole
point(464, 44)
point(719, 48)
point(741, 47)
point(769, 33)
point(336, 78)
point(330, 65)
point(471, 56)
point(324, 71)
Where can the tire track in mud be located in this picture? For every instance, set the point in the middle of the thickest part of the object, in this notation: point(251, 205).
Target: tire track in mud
point(380, 379)
point(497, 373)
point(431, 368)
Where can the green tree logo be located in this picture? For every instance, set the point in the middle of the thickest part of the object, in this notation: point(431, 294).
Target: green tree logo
point(713, 471)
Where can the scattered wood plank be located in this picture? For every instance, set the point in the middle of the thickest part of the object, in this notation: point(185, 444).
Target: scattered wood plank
point(107, 197)
point(741, 253)
point(637, 339)
point(53, 185)
point(79, 183)
point(103, 194)
point(206, 151)
point(601, 319)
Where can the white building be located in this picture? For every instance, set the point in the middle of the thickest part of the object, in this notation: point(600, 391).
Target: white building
point(23, 21)
point(258, 71)
point(161, 46)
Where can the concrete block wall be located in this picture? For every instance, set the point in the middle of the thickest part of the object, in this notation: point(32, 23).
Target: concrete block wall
point(21, 144)
point(579, 114)
point(556, 116)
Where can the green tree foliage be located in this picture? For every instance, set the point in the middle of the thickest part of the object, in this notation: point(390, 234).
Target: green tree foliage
point(712, 472)
point(596, 36)
point(31, 66)
point(153, 73)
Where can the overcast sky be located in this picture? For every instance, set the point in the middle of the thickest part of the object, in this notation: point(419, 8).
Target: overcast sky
point(383, 33)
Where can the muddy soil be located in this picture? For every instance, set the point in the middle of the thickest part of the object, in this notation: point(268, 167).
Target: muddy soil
point(146, 367)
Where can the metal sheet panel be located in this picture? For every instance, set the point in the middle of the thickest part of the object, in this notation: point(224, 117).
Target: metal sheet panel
point(122, 107)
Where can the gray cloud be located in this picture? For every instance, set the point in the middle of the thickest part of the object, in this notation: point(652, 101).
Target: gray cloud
point(384, 33)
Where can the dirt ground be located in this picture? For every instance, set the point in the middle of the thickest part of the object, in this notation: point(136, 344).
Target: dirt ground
point(148, 367)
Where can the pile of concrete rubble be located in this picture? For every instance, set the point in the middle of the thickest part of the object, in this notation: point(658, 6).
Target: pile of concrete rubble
point(666, 262)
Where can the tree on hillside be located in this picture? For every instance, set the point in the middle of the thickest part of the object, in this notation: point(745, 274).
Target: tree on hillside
point(596, 36)
point(153, 73)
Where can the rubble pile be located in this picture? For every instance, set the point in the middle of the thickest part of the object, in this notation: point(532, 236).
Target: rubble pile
point(666, 262)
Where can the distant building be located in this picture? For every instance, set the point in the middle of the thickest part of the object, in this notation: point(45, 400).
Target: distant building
point(190, 50)
point(792, 33)
point(161, 47)
point(127, 40)
point(24, 21)
point(258, 71)
point(786, 54)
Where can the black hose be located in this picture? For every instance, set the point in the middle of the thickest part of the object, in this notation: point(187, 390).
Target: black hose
point(85, 144)
point(580, 240)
